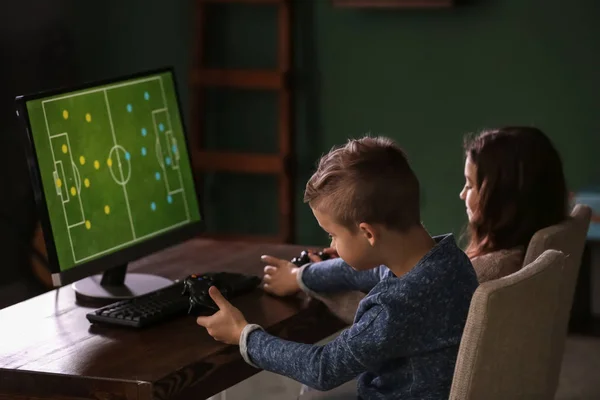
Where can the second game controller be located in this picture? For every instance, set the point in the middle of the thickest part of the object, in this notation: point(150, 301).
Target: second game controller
point(304, 259)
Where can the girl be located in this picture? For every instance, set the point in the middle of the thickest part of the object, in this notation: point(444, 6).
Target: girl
point(514, 187)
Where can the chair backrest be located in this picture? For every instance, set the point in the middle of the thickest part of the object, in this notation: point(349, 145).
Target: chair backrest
point(568, 237)
point(497, 264)
point(506, 345)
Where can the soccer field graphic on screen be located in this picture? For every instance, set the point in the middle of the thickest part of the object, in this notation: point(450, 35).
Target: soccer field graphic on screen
point(114, 166)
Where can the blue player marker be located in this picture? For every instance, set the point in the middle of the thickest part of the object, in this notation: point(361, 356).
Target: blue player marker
point(168, 160)
point(153, 206)
point(127, 156)
point(129, 108)
point(144, 151)
point(144, 132)
point(169, 199)
point(161, 127)
point(146, 95)
point(157, 176)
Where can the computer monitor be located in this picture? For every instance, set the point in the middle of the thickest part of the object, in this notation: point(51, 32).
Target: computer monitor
point(112, 178)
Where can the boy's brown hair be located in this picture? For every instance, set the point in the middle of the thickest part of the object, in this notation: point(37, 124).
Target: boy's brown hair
point(367, 180)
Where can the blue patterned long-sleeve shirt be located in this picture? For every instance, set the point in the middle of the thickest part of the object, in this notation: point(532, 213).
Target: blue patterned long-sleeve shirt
point(405, 336)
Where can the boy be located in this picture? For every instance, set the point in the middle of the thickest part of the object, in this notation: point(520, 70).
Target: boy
point(406, 332)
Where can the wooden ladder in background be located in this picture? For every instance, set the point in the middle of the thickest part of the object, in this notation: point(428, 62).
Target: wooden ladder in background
point(280, 164)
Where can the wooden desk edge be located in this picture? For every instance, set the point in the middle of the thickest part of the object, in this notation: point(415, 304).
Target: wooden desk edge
point(41, 385)
point(224, 369)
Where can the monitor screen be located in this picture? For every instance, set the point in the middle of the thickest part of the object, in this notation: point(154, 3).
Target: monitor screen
point(113, 166)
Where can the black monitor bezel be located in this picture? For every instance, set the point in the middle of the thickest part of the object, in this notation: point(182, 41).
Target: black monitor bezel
point(125, 255)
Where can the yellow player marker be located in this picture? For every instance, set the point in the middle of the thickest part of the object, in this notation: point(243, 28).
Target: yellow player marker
point(58, 183)
point(106, 210)
point(82, 160)
point(96, 164)
point(73, 191)
point(64, 148)
point(109, 162)
point(65, 114)
point(88, 117)
point(88, 224)
point(86, 182)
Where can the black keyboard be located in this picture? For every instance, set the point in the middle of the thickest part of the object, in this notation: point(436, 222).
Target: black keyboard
point(148, 309)
point(161, 305)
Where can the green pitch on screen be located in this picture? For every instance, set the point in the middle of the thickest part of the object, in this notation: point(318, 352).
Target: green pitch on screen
point(114, 167)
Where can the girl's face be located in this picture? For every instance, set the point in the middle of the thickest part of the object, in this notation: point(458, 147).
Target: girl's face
point(470, 192)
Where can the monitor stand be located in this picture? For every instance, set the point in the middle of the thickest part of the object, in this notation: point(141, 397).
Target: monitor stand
point(116, 284)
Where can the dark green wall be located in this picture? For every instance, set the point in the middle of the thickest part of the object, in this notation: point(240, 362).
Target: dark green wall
point(424, 78)
point(427, 78)
point(114, 38)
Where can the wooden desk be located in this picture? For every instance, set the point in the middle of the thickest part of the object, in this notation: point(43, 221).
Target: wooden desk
point(48, 349)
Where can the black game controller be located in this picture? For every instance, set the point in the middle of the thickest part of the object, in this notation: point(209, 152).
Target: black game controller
point(230, 284)
point(303, 258)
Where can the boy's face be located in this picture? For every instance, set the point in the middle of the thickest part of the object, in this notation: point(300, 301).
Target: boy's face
point(353, 247)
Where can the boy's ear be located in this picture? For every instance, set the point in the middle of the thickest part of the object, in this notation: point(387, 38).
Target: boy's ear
point(369, 232)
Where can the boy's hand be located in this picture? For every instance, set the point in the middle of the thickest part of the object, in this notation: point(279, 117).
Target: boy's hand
point(227, 324)
point(280, 277)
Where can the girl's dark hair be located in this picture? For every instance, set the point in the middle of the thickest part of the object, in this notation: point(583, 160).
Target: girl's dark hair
point(521, 185)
